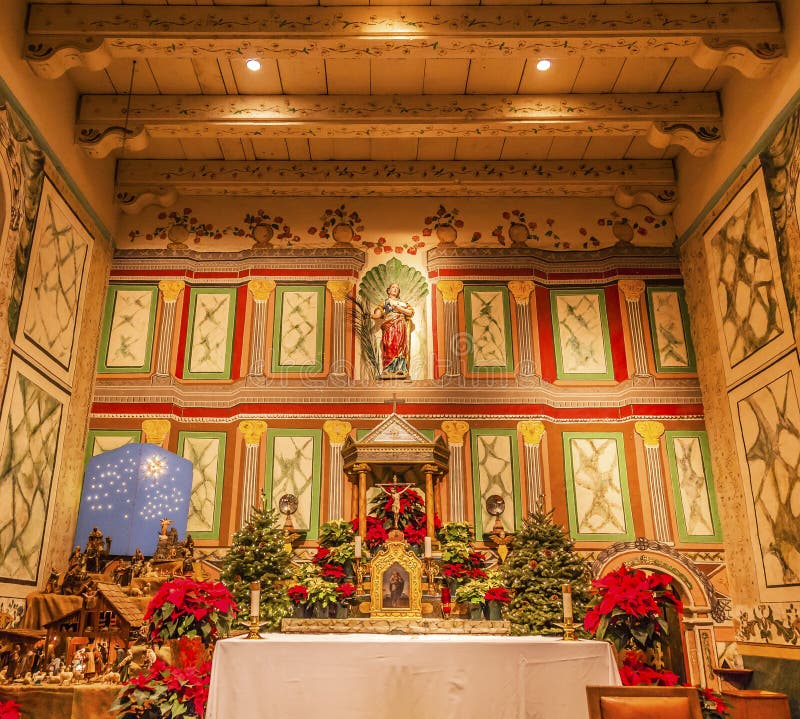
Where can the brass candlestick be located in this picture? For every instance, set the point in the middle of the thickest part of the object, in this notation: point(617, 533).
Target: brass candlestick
point(359, 570)
point(568, 626)
point(253, 627)
point(432, 571)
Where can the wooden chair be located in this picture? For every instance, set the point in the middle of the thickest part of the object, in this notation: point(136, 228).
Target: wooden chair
point(643, 703)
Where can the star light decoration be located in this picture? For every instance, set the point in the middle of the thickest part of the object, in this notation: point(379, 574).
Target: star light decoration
point(127, 491)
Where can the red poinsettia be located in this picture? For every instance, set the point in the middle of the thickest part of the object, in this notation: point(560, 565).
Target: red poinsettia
point(712, 704)
point(322, 554)
point(332, 571)
point(628, 607)
point(634, 672)
point(345, 591)
point(498, 594)
point(298, 593)
point(185, 607)
point(176, 691)
point(9, 710)
point(469, 568)
point(414, 535)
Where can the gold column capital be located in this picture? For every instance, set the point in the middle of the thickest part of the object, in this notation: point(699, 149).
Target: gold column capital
point(251, 430)
point(170, 289)
point(531, 431)
point(650, 431)
point(632, 289)
point(337, 430)
point(450, 289)
point(431, 469)
point(455, 430)
point(155, 430)
point(339, 289)
point(521, 289)
point(261, 289)
point(359, 468)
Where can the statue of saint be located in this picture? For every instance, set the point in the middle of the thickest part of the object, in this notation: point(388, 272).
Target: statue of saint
point(395, 316)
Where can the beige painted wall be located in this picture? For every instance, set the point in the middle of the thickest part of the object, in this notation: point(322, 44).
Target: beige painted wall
point(52, 105)
point(749, 107)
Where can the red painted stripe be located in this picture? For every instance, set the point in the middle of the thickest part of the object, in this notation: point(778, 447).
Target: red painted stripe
point(238, 332)
point(322, 409)
point(183, 334)
point(616, 333)
point(544, 325)
point(242, 274)
point(538, 274)
point(437, 371)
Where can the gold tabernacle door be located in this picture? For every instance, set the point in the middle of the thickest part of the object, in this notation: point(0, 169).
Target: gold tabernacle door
point(396, 581)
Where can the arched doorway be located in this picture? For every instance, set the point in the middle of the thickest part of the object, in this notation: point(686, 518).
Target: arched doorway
point(691, 653)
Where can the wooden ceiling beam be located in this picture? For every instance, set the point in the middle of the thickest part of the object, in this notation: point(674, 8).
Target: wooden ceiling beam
point(689, 120)
point(744, 35)
point(650, 183)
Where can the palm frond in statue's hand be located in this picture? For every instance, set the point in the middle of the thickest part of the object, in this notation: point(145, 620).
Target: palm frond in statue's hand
point(363, 327)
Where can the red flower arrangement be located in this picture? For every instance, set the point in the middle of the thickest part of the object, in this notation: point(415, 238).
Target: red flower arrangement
point(628, 605)
point(332, 571)
point(376, 533)
point(635, 673)
point(498, 594)
point(9, 710)
point(712, 704)
point(471, 568)
point(298, 593)
point(345, 591)
point(184, 607)
point(321, 555)
point(174, 692)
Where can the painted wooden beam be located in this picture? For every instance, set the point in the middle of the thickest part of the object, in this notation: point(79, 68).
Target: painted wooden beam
point(747, 35)
point(650, 183)
point(690, 120)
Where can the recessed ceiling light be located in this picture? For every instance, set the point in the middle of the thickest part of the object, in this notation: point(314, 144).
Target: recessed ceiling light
point(543, 65)
point(253, 64)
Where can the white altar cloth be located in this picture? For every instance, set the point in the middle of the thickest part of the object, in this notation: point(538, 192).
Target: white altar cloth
point(371, 676)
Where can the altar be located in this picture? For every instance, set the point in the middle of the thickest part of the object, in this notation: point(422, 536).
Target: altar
point(365, 676)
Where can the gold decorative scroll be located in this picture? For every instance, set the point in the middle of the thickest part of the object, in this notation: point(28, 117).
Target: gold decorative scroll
point(531, 431)
point(261, 289)
point(337, 430)
point(455, 430)
point(171, 289)
point(650, 431)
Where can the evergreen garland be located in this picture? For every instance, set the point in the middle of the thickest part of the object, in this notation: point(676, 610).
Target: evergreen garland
point(542, 558)
point(258, 553)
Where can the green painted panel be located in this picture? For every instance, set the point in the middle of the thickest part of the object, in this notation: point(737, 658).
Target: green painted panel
point(209, 341)
point(488, 320)
point(495, 470)
point(598, 500)
point(126, 340)
point(294, 460)
point(206, 452)
point(104, 440)
point(669, 329)
point(693, 486)
point(580, 333)
point(298, 333)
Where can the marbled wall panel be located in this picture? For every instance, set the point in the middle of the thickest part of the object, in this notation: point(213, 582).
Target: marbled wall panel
point(206, 452)
point(583, 349)
point(488, 324)
point(53, 296)
point(31, 435)
point(495, 471)
point(751, 310)
point(768, 412)
point(293, 467)
point(211, 320)
point(597, 487)
point(298, 341)
point(672, 344)
point(128, 329)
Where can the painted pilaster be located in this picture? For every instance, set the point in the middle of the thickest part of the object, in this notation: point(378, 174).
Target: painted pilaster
point(155, 431)
point(170, 291)
point(260, 290)
point(651, 433)
point(455, 430)
point(339, 290)
point(252, 430)
point(522, 291)
point(337, 432)
point(450, 290)
point(532, 431)
point(633, 291)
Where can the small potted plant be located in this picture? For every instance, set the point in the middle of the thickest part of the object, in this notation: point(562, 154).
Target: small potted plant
point(346, 593)
point(472, 594)
point(446, 224)
point(321, 595)
point(336, 533)
point(496, 598)
point(299, 596)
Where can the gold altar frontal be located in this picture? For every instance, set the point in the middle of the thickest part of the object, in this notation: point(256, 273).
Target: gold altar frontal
point(394, 626)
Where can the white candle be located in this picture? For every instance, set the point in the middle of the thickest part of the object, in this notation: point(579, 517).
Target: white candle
point(255, 599)
point(428, 548)
point(566, 599)
point(357, 552)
